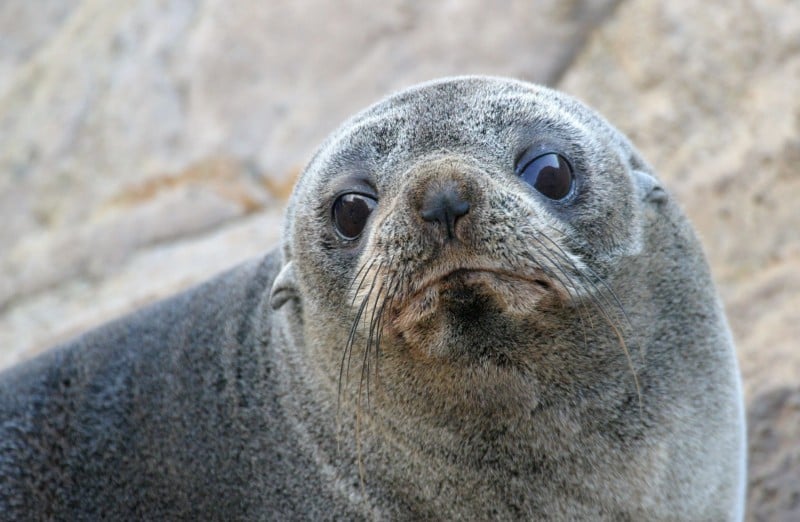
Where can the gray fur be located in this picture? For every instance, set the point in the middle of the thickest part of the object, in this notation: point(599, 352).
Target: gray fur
point(226, 402)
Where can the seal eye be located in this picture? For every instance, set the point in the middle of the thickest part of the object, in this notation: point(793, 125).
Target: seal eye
point(550, 174)
point(350, 213)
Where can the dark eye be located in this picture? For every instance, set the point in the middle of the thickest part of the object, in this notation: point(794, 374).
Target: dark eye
point(350, 213)
point(550, 174)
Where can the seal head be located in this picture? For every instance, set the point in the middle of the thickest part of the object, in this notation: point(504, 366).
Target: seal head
point(496, 269)
point(464, 225)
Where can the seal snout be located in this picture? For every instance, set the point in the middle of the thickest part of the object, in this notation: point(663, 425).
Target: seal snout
point(444, 206)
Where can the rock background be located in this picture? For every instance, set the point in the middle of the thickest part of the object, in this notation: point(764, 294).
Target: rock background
point(145, 145)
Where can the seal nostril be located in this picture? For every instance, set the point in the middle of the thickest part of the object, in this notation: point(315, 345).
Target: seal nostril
point(444, 206)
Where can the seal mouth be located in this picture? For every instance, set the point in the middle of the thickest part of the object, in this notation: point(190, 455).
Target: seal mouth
point(468, 292)
point(464, 277)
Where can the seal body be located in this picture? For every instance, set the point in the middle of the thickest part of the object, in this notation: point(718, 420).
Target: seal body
point(485, 306)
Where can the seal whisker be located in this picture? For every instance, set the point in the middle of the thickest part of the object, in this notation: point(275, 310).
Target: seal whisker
point(580, 306)
point(621, 308)
point(386, 305)
point(344, 376)
point(366, 268)
point(551, 273)
point(347, 349)
point(574, 298)
point(364, 304)
point(344, 370)
point(603, 293)
point(357, 277)
point(363, 278)
point(374, 336)
point(579, 272)
point(365, 365)
point(605, 285)
point(594, 299)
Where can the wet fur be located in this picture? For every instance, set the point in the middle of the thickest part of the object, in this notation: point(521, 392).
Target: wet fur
point(584, 372)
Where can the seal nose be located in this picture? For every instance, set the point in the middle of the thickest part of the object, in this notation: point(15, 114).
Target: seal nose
point(443, 205)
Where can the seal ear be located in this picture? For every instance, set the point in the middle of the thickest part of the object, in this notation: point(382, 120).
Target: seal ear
point(648, 187)
point(284, 288)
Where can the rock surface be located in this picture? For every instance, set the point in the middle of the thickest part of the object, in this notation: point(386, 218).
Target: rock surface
point(775, 455)
point(148, 144)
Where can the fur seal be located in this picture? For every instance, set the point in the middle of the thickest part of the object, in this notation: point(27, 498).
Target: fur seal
point(485, 306)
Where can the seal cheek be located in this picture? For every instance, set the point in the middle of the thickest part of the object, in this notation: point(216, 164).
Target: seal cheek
point(418, 309)
point(516, 298)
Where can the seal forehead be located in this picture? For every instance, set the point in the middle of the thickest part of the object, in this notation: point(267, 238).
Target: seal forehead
point(458, 111)
point(485, 118)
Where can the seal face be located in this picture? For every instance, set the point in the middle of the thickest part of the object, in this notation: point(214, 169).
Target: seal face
point(491, 255)
point(469, 224)
point(484, 307)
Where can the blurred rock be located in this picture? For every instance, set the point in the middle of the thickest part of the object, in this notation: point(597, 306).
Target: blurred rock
point(47, 318)
point(25, 27)
point(202, 197)
point(774, 432)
